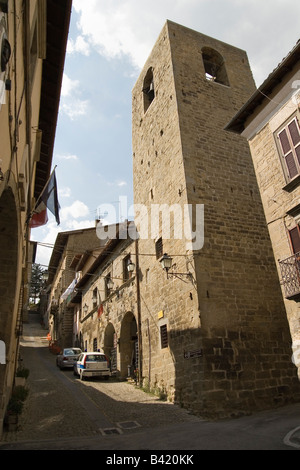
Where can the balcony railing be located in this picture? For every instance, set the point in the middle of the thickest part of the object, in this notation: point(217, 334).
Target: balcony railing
point(290, 274)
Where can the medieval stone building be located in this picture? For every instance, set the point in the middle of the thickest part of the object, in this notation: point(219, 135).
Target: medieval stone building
point(209, 330)
point(270, 122)
point(215, 337)
point(33, 36)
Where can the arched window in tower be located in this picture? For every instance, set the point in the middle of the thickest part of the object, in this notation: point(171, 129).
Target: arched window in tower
point(148, 89)
point(214, 66)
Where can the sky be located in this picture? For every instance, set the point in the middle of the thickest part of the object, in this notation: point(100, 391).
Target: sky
point(109, 42)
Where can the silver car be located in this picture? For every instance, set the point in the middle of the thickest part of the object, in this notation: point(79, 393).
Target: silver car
point(67, 358)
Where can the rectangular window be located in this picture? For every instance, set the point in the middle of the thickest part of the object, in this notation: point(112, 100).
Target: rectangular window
point(95, 344)
point(108, 285)
point(95, 297)
point(295, 239)
point(126, 274)
point(159, 248)
point(289, 139)
point(163, 336)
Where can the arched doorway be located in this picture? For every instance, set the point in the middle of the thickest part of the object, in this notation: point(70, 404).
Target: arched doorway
point(8, 285)
point(128, 344)
point(110, 346)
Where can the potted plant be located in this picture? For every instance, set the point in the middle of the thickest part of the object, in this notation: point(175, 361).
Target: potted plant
point(14, 409)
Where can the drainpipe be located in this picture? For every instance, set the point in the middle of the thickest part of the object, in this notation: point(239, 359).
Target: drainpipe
point(138, 299)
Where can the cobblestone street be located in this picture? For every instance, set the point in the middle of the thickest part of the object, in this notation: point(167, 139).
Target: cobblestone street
point(59, 405)
point(63, 413)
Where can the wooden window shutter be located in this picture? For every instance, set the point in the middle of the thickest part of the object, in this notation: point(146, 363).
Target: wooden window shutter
point(295, 239)
point(294, 131)
point(164, 336)
point(289, 139)
point(291, 165)
point(284, 142)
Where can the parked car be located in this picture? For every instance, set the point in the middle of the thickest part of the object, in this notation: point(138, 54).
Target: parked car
point(92, 364)
point(68, 357)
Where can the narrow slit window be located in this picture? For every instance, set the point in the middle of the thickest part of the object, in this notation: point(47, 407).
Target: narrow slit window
point(159, 248)
point(164, 336)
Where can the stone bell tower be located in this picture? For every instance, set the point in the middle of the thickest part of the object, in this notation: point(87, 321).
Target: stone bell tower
point(215, 336)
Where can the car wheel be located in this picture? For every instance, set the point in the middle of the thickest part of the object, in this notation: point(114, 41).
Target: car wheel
point(81, 376)
point(106, 377)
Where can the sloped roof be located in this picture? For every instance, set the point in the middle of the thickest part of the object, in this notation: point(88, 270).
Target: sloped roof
point(237, 124)
point(58, 21)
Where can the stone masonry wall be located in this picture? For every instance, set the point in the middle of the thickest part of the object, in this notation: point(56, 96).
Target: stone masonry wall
point(232, 310)
point(277, 201)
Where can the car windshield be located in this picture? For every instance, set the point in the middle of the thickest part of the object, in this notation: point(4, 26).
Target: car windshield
point(96, 358)
point(72, 352)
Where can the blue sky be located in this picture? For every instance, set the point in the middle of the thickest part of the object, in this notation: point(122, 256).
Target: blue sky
point(109, 41)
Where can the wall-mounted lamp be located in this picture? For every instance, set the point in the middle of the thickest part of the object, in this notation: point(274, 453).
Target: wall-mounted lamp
point(167, 262)
point(130, 266)
point(85, 308)
point(110, 284)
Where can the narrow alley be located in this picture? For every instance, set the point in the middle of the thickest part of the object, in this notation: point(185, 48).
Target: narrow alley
point(63, 413)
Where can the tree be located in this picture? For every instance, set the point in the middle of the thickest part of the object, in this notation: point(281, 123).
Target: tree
point(37, 283)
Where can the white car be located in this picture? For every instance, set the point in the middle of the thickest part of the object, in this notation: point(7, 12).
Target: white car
point(68, 357)
point(92, 364)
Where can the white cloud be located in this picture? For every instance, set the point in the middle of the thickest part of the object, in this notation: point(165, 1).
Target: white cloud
point(79, 224)
point(65, 192)
point(71, 104)
point(266, 30)
point(68, 86)
point(74, 108)
point(80, 45)
point(67, 157)
point(76, 211)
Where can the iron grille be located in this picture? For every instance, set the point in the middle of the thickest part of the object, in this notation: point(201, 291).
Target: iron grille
point(290, 274)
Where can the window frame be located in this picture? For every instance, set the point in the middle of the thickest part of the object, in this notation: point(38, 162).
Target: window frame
point(159, 248)
point(126, 274)
point(293, 240)
point(291, 151)
point(164, 336)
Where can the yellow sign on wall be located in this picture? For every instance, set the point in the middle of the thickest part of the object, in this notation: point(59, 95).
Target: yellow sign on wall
point(160, 314)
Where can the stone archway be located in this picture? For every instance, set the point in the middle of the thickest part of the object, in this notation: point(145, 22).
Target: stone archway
point(8, 280)
point(110, 346)
point(128, 344)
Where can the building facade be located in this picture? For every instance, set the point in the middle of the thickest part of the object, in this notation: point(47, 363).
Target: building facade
point(270, 122)
point(109, 315)
point(30, 82)
point(215, 336)
point(72, 256)
point(94, 295)
point(209, 331)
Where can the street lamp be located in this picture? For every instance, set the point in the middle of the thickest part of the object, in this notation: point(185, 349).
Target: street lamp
point(130, 266)
point(166, 263)
point(85, 308)
point(110, 283)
